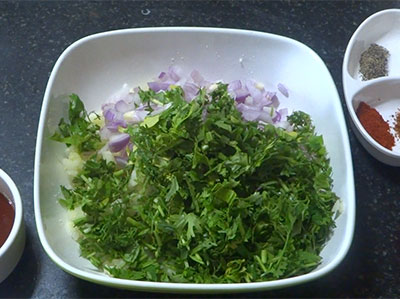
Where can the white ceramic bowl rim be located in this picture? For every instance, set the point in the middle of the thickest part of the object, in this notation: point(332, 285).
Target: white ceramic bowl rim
point(16, 199)
point(166, 286)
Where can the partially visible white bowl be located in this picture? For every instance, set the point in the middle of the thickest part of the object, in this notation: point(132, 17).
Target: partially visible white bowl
point(382, 93)
point(97, 66)
point(12, 249)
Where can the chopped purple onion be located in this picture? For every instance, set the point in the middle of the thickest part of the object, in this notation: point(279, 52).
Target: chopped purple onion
point(282, 88)
point(173, 72)
point(162, 76)
point(141, 107)
point(272, 99)
point(283, 112)
point(157, 86)
point(141, 114)
point(121, 161)
point(109, 115)
point(122, 106)
point(252, 101)
point(112, 127)
point(251, 115)
point(265, 116)
point(118, 121)
point(235, 85)
point(118, 142)
point(105, 133)
point(277, 117)
point(255, 93)
point(190, 90)
point(197, 77)
point(241, 95)
point(137, 116)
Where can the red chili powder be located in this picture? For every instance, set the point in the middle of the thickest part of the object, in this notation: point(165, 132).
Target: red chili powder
point(375, 125)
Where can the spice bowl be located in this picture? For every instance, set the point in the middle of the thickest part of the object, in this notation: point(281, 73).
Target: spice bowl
point(11, 250)
point(380, 92)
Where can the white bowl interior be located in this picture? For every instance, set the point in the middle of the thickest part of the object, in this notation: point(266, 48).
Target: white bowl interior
point(383, 29)
point(98, 66)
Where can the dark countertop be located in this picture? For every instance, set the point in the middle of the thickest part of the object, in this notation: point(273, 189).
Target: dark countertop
point(34, 33)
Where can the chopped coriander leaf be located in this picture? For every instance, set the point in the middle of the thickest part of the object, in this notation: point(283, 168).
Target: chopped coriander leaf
point(80, 132)
point(216, 199)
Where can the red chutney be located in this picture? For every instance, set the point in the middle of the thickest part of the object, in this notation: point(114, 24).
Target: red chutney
point(7, 215)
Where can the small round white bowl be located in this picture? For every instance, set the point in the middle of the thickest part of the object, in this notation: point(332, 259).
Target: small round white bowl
point(381, 93)
point(12, 249)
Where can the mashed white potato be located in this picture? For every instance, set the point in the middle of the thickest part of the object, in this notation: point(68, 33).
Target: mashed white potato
point(73, 163)
point(71, 216)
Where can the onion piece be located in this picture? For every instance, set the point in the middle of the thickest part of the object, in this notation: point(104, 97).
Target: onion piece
point(118, 142)
point(105, 133)
point(277, 117)
point(252, 101)
point(272, 99)
point(157, 86)
point(249, 113)
point(162, 76)
point(174, 73)
point(255, 93)
point(283, 112)
point(122, 106)
point(282, 88)
point(197, 77)
point(190, 91)
point(235, 85)
point(158, 109)
point(116, 123)
point(109, 115)
point(265, 116)
point(241, 95)
point(121, 161)
point(135, 116)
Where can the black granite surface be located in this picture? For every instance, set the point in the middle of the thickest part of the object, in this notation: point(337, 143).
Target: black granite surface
point(34, 33)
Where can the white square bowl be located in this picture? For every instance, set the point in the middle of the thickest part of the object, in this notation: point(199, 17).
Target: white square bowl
point(97, 66)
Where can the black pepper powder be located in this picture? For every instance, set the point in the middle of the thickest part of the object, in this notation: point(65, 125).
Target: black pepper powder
point(374, 62)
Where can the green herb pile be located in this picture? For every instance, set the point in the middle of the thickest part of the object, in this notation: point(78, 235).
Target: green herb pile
point(206, 197)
